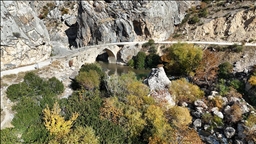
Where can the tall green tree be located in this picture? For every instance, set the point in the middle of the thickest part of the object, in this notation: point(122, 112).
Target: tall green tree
point(139, 61)
point(182, 58)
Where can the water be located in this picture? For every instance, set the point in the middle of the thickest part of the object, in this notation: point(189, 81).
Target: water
point(119, 69)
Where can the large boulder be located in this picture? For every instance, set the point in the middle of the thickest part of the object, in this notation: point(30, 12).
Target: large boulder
point(122, 21)
point(159, 83)
point(24, 37)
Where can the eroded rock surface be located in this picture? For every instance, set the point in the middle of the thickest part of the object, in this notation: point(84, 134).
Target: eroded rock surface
point(234, 27)
point(121, 21)
point(24, 37)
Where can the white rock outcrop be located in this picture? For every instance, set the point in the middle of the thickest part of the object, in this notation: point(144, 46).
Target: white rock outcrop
point(159, 83)
point(24, 37)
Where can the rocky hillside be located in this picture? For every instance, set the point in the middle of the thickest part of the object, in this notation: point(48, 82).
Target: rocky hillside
point(219, 21)
point(24, 37)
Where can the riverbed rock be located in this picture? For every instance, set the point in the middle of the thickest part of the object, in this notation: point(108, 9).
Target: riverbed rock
point(159, 83)
point(200, 103)
point(229, 132)
point(197, 123)
point(122, 21)
point(24, 37)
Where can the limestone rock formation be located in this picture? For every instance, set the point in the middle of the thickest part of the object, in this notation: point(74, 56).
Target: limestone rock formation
point(24, 37)
point(235, 27)
point(121, 21)
point(158, 83)
point(128, 51)
point(60, 18)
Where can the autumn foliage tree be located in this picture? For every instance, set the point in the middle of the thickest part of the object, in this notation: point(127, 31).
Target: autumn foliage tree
point(55, 123)
point(252, 80)
point(85, 135)
point(208, 67)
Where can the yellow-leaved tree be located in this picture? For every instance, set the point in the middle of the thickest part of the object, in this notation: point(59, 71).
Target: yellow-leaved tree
point(252, 80)
point(55, 123)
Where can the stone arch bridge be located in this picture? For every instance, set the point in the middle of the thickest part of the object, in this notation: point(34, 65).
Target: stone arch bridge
point(89, 54)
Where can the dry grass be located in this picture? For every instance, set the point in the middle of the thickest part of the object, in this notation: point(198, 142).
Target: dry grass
point(20, 76)
point(9, 77)
point(56, 64)
point(235, 113)
point(3, 84)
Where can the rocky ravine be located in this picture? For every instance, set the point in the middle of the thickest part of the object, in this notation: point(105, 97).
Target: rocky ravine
point(24, 37)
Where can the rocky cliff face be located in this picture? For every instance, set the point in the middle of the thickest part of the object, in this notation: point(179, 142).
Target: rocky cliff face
point(120, 21)
point(24, 37)
point(239, 26)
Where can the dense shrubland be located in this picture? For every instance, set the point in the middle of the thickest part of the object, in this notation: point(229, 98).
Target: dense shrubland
point(119, 109)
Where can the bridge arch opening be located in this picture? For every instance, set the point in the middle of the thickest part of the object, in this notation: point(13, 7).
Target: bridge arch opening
point(106, 56)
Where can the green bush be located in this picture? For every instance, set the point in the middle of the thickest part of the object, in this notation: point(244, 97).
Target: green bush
point(55, 85)
point(96, 67)
point(222, 87)
point(89, 80)
point(32, 80)
point(139, 60)
point(238, 85)
point(186, 18)
point(152, 49)
point(16, 91)
point(236, 48)
point(203, 13)
point(183, 58)
point(9, 136)
point(214, 121)
point(152, 60)
point(151, 42)
point(225, 70)
point(195, 19)
point(130, 63)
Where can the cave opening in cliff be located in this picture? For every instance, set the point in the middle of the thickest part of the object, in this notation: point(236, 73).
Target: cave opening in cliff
point(137, 27)
point(106, 56)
